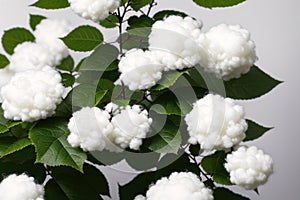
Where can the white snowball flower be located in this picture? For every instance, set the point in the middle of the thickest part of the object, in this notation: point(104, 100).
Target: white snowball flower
point(89, 129)
point(174, 42)
point(32, 95)
point(179, 186)
point(131, 125)
point(20, 187)
point(216, 123)
point(139, 70)
point(5, 76)
point(230, 50)
point(249, 167)
point(48, 34)
point(30, 56)
point(95, 10)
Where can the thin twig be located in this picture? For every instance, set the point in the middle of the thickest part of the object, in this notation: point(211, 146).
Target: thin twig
point(152, 4)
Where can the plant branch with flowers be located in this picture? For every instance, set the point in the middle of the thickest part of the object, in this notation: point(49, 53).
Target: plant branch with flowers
point(160, 96)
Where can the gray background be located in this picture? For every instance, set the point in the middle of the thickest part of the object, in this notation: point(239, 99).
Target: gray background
point(275, 28)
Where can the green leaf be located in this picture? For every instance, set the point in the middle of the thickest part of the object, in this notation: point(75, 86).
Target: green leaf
point(35, 170)
point(251, 85)
point(83, 38)
point(165, 13)
point(123, 2)
point(141, 183)
point(91, 158)
point(169, 104)
point(77, 68)
point(169, 79)
point(110, 22)
point(214, 165)
point(6, 124)
point(3, 61)
point(138, 4)
point(142, 21)
point(20, 157)
point(195, 149)
point(67, 79)
point(51, 4)
point(103, 57)
point(67, 64)
point(11, 165)
point(177, 101)
point(137, 162)
point(84, 95)
point(65, 109)
point(224, 193)
point(53, 191)
point(35, 20)
point(255, 131)
point(137, 33)
point(12, 37)
point(21, 130)
point(108, 158)
point(217, 3)
point(100, 94)
point(50, 140)
point(201, 79)
point(130, 41)
point(71, 185)
point(81, 96)
point(168, 140)
point(9, 145)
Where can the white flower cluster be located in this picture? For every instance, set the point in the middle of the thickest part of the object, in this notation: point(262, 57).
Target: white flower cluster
point(230, 51)
point(48, 50)
point(32, 95)
point(177, 42)
point(172, 46)
point(178, 186)
point(173, 42)
point(91, 128)
point(95, 10)
point(48, 34)
point(30, 89)
point(20, 187)
point(216, 123)
point(131, 125)
point(139, 70)
point(249, 167)
point(30, 56)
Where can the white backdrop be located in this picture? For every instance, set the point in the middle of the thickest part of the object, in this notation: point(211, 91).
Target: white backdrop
point(275, 27)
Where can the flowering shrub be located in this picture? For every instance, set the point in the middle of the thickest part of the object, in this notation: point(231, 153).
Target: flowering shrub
point(160, 96)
